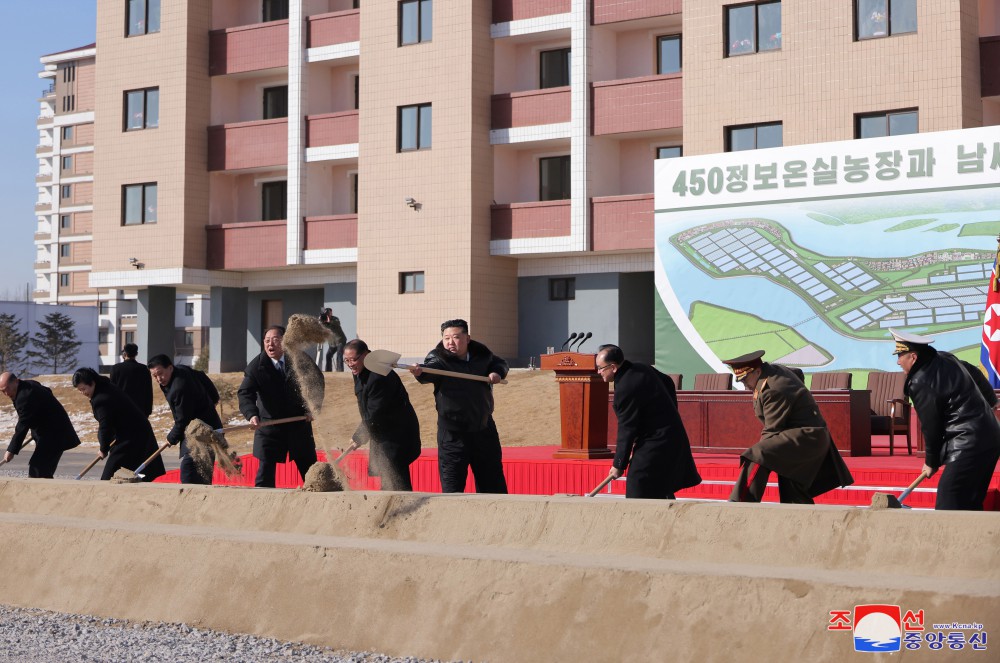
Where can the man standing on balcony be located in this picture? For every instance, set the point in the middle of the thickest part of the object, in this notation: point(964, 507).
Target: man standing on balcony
point(133, 378)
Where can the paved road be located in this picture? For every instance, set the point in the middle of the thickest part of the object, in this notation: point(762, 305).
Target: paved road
point(73, 462)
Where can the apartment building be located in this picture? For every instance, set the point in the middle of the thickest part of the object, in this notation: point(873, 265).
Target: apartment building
point(407, 161)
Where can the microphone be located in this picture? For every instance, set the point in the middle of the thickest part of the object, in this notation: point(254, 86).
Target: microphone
point(571, 337)
point(579, 337)
point(580, 344)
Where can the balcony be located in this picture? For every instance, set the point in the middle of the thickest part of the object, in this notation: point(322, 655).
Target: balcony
point(43, 206)
point(622, 222)
point(248, 48)
point(40, 294)
point(332, 129)
point(42, 264)
point(649, 103)
point(613, 11)
point(257, 144)
point(43, 178)
point(44, 120)
point(333, 28)
point(44, 148)
point(252, 245)
point(517, 10)
point(43, 236)
point(531, 108)
point(550, 218)
point(989, 56)
point(339, 231)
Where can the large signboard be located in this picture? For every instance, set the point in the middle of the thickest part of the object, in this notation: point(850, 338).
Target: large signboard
point(811, 252)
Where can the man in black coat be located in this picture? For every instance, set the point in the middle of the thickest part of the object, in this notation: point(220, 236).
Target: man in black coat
point(38, 411)
point(120, 421)
point(388, 420)
point(652, 442)
point(960, 430)
point(133, 379)
point(190, 395)
point(467, 435)
point(271, 390)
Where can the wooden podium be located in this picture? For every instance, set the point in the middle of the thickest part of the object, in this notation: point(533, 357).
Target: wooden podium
point(583, 405)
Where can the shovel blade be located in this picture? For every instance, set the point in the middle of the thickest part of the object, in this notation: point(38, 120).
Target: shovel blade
point(381, 361)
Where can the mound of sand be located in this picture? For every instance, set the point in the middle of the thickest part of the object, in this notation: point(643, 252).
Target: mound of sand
point(324, 478)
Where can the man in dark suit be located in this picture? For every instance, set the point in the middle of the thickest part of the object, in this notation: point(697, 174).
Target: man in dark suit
point(189, 398)
point(271, 390)
point(652, 442)
point(133, 379)
point(120, 421)
point(40, 412)
point(388, 420)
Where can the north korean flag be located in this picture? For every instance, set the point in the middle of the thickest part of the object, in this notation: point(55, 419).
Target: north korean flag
point(990, 353)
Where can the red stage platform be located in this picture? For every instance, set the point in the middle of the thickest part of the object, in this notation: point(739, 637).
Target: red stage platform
point(533, 471)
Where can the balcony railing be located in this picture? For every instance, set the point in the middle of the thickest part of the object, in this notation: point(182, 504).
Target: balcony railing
point(516, 10)
point(248, 48)
point(43, 264)
point(41, 178)
point(638, 104)
point(531, 108)
point(332, 129)
point(43, 206)
point(334, 28)
point(249, 245)
point(43, 235)
point(622, 222)
point(550, 218)
point(258, 144)
point(339, 231)
point(989, 56)
point(43, 148)
point(612, 11)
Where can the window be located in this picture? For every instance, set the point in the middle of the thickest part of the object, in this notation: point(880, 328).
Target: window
point(66, 191)
point(753, 137)
point(143, 17)
point(875, 125)
point(67, 134)
point(669, 152)
point(69, 103)
point(66, 163)
point(354, 193)
point(189, 309)
point(415, 19)
point(275, 10)
point(274, 201)
point(275, 102)
point(138, 204)
point(414, 127)
point(102, 308)
point(753, 28)
point(553, 178)
point(102, 336)
point(64, 280)
point(64, 250)
point(65, 221)
point(668, 54)
point(130, 337)
point(562, 290)
point(142, 109)
point(69, 73)
point(188, 339)
point(881, 18)
point(411, 282)
point(553, 68)
point(357, 92)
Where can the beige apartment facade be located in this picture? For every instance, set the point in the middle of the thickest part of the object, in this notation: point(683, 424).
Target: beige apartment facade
point(404, 162)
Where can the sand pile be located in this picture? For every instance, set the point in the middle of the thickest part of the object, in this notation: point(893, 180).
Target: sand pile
point(324, 478)
point(304, 331)
point(125, 475)
point(207, 447)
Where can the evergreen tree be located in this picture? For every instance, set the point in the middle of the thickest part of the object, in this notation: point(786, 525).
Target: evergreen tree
point(12, 342)
point(55, 344)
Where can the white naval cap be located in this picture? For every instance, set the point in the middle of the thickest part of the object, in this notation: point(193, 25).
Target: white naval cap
point(908, 341)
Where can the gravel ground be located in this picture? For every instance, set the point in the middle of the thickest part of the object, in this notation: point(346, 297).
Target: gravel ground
point(37, 636)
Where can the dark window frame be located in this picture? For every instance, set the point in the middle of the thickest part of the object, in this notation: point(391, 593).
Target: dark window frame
point(274, 10)
point(888, 23)
point(418, 276)
point(144, 187)
point(65, 221)
point(65, 250)
point(859, 117)
point(67, 133)
point(565, 68)
point(421, 38)
point(280, 206)
point(679, 148)
point(727, 43)
point(65, 191)
point(659, 53)
point(756, 126)
point(562, 289)
point(145, 18)
point(567, 174)
point(145, 92)
point(418, 131)
point(64, 160)
point(64, 281)
point(274, 105)
point(189, 309)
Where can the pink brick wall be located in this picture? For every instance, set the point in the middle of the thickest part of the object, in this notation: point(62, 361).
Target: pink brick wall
point(622, 222)
point(989, 64)
point(522, 220)
point(334, 28)
point(248, 48)
point(638, 104)
point(332, 232)
point(526, 109)
point(332, 129)
point(611, 11)
point(248, 145)
point(245, 245)
point(516, 10)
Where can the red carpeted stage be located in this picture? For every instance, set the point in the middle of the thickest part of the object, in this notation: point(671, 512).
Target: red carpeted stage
point(533, 471)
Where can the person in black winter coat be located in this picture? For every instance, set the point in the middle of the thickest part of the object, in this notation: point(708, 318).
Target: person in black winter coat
point(190, 395)
point(121, 422)
point(38, 411)
point(388, 420)
point(271, 390)
point(467, 435)
point(133, 379)
point(652, 442)
point(960, 430)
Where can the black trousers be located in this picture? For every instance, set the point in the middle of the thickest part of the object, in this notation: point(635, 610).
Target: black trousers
point(267, 468)
point(964, 482)
point(480, 450)
point(752, 482)
point(190, 473)
point(43, 463)
point(335, 353)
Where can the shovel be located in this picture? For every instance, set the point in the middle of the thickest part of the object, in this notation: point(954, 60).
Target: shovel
point(343, 454)
point(884, 501)
point(138, 470)
point(601, 485)
point(272, 422)
point(383, 361)
point(92, 463)
point(26, 443)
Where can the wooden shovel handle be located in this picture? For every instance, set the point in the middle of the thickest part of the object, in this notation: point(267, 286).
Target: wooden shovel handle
point(94, 462)
point(916, 482)
point(343, 454)
point(601, 485)
point(149, 460)
point(271, 422)
point(453, 374)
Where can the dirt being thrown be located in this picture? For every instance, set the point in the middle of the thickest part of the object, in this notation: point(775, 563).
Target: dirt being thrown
point(304, 332)
point(207, 447)
point(324, 478)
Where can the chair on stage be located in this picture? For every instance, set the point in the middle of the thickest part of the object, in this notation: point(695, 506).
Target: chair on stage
point(713, 382)
point(828, 381)
point(890, 409)
point(678, 378)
